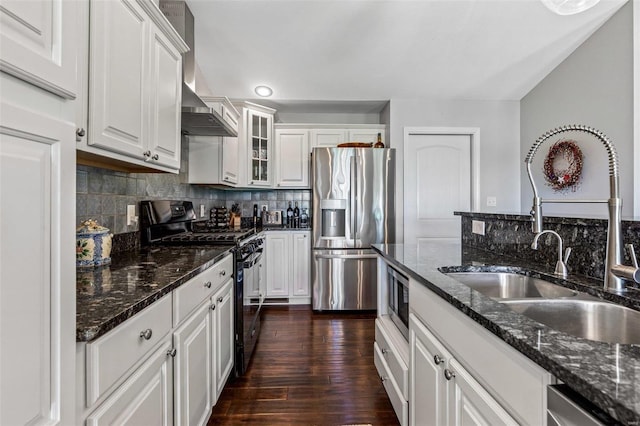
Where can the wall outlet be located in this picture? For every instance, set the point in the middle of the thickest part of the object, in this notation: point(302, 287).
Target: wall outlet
point(477, 227)
point(131, 215)
point(201, 210)
point(491, 201)
point(264, 207)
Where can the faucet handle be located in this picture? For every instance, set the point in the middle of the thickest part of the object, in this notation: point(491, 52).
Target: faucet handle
point(632, 255)
point(567, 253)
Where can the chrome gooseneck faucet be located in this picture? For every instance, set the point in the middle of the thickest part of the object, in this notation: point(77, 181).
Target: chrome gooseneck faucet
point(615, 272)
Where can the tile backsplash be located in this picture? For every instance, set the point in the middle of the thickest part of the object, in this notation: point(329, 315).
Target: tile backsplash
point(103, 195)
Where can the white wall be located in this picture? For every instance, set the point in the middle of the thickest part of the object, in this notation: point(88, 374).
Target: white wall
point(593, 86)
point(500, 160)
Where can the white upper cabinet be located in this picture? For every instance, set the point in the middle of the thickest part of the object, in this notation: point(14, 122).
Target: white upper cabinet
point(255, 150)
point(292, 158)
point(214, 159)
point(327, 138)
point(135, 87)
point(38, 43)
point(365, 135)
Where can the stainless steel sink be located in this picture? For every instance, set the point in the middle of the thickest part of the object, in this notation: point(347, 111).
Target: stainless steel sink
point(506, 285)
point(584, 317)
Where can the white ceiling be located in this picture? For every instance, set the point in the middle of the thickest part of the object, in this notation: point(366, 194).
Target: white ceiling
point(372, 50)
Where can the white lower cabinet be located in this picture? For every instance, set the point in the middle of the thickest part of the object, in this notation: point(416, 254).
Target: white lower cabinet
point(223, 337)
point(192, 341)
point(168, 363)
point(442, 392)
point(288, 265)
point(145, 398)
point(460, 373)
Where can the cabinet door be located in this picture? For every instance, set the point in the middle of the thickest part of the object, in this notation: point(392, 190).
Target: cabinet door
point(230, 165)
point(165, 101)
point(259, 142)
point(193, 368)
point(301, 263)
point(222, 327)
point(365, 135)
point(427, 385)
point(277, 247)
point(37, 302)
point(327, 138)
point(145, 398)
point(38, 43)
point(292, 158)
point(470, 403)
point(118, 54)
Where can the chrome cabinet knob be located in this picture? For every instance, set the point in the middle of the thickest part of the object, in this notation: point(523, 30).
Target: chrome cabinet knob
point(207, 284)
point(223, 273)
point(438, 359)
point(213, 307)
point(384, 351)
point(80, 132)
point(448, 374)
point(172, 352)
point(155, 157)
point(146, 153)
point(146, 334)
point(220, 299)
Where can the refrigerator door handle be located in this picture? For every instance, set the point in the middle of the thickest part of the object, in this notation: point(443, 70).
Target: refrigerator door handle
point(346, 256)
point(353, 188)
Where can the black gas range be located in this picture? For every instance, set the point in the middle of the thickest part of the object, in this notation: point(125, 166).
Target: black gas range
point(171, 222)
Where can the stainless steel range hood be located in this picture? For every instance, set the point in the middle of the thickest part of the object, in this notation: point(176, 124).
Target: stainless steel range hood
point(197, 118)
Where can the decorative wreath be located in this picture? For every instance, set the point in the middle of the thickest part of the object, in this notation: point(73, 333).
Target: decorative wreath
point(560, 179)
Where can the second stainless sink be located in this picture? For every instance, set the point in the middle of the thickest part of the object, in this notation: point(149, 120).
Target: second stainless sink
point(507, 285)
point(583, 317)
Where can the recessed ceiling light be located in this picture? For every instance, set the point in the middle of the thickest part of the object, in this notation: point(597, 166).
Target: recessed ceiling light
point(569, 7)
point(264, 91)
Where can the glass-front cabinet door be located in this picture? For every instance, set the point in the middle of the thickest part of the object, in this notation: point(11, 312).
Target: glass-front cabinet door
point(260, 137)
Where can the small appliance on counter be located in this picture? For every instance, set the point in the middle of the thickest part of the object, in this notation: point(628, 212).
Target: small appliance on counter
point(271, 218)
point(93, 245)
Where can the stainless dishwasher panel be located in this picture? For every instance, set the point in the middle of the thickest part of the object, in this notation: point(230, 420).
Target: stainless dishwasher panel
point(567, 408)
point(344, 280)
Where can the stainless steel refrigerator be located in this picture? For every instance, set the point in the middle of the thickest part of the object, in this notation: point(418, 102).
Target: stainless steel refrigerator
point(353, 208)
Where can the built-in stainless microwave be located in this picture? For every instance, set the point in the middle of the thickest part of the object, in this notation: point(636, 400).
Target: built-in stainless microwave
point(398, 288)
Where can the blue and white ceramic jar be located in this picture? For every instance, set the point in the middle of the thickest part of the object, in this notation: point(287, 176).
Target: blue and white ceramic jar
point(93, 245)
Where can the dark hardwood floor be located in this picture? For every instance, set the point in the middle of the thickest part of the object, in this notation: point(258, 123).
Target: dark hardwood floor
point(308, 369)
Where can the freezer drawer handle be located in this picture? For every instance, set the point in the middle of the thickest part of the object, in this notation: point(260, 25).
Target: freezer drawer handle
point(346, 256)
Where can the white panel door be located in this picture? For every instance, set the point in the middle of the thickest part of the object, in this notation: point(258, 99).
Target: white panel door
point(301, 263)
point(327, 138)
point(145, 398)
point(193, 368)
point(470, 404)
point(37, 295)
point(292, 158)
point(437, 182)
point(38, 43)
point(118, 57)
point(165, 103)
point(427, 386)
point(223, 333)
point(277, 248)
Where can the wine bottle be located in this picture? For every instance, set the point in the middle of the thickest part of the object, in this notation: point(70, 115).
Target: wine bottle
point(289, 215)
point(379, 143)
point(296, 216)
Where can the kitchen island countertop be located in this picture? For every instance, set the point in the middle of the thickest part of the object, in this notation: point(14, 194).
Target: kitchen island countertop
point(109, 295)
point(604, 373)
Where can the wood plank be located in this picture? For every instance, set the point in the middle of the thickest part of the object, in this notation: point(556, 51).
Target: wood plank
point(308, 369)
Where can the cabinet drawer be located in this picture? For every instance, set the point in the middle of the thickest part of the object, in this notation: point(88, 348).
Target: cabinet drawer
point(399, 402)
point(111, 356)
point(190, 295)
point(397, 366)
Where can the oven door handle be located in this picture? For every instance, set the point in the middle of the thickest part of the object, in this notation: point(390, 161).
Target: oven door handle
point(346, 256)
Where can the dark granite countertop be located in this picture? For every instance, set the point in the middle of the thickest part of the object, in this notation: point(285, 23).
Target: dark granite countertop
point(107, 296)
point(604, 373)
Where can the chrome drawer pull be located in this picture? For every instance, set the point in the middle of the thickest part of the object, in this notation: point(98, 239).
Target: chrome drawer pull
point(146, 334)
point(223, 273)
point(220, 299)
point(207, 284)
point(438, 359)
point(172, 352)
point(448, 374)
